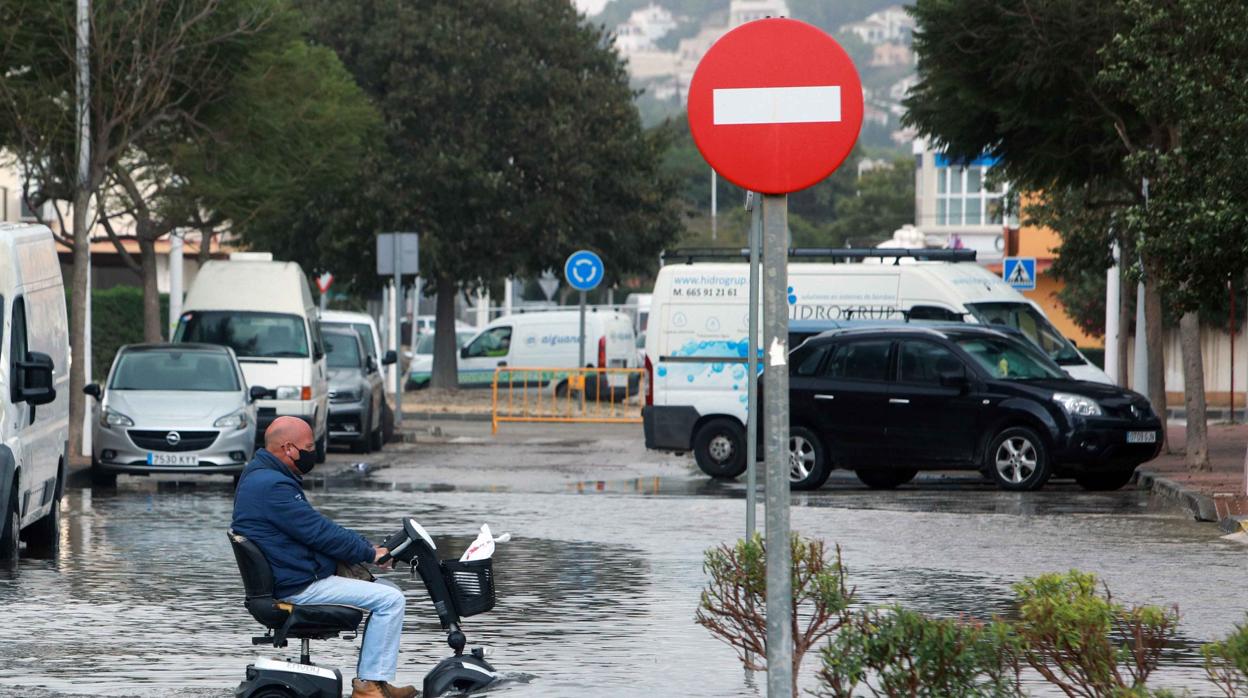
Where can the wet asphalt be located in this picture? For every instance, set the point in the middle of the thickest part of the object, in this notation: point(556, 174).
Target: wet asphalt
point(598, 589)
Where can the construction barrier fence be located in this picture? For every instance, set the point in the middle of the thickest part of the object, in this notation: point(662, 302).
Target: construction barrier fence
point(585, 395)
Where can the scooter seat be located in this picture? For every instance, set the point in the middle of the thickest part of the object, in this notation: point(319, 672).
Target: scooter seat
point(313, 622)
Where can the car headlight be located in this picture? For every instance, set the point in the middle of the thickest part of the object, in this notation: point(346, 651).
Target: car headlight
point(345, 395)
point(287, 392)
point(234, 420)
point(1078, 405)
point(113, 418)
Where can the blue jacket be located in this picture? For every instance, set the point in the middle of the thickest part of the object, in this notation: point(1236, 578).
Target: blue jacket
point(301, 544)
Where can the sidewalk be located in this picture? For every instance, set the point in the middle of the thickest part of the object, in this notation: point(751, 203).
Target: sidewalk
point(472, 404)
point(1214, 495)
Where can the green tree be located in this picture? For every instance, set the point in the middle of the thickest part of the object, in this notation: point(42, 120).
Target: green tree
point(1182, 64)
point(510, 140)
point(154, 64)
point(1021, 81)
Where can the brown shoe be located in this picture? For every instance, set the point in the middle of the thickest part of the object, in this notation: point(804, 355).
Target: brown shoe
point(397, 691)
point(379, 689)
point(366, 689)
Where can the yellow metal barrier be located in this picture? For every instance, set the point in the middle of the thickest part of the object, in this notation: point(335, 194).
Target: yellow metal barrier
point(593, 395)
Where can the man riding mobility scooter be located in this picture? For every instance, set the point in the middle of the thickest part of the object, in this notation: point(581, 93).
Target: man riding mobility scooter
point(458, 589)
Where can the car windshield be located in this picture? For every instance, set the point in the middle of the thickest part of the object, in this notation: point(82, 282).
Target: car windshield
point(1010, 359)
point(208, 371)
point(344, 350)
point(1032, 323)
point(261, 335)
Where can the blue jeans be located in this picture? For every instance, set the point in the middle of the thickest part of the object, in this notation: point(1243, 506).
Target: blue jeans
point(379, 653)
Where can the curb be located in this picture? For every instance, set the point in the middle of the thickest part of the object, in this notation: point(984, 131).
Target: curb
point(1200, 506)
point(449, 416)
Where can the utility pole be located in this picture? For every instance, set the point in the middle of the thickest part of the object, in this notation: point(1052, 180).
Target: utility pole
point(81, 54)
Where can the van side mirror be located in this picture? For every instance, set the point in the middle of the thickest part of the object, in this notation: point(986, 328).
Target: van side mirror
point(258, 392)
point(92, 389)
point(33, 383)
point(463, 353)
point(389, 358)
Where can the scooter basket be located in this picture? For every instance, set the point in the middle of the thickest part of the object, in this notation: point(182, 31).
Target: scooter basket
point(471, 585)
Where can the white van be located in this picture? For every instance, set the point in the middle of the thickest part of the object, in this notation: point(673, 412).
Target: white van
point(699, 314)
point(549, 339)
point(34, 391)
point(264, 312)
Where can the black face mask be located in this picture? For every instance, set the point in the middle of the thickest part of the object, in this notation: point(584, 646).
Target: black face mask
point(305, 462)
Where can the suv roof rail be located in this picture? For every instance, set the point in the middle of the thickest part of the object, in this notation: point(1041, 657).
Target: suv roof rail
point(688, 255)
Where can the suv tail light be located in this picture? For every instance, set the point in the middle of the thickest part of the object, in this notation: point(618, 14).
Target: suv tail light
point(649, 382)
point(602, 352)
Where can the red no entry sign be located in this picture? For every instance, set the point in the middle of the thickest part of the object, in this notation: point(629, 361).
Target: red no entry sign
point(775, 105)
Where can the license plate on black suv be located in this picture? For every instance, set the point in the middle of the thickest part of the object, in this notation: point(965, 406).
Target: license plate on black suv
point(1141, 437)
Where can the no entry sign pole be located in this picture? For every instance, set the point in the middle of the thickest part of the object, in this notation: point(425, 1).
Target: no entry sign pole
point(775, 106)
point(776, 414)
point(751, 364)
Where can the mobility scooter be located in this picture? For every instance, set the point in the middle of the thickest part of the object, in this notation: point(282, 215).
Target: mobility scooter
point(458, 589)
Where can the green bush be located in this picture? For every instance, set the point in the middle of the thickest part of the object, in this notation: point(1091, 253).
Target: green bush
point(1226, 662)
point(734, 604)
point(116, 320)
point(898, 653)
point(1082, 641)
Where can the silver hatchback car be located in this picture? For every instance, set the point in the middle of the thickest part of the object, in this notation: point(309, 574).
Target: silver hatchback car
point(173, 408)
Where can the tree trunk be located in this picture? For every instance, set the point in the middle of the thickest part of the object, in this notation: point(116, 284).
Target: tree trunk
point(78, 320)
point(1194, 392)
point(1125, 315)
point(151, 293)
point(1156, 348)
point(445, 349)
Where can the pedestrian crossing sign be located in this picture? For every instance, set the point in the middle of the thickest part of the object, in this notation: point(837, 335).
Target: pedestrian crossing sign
point(1020, 272)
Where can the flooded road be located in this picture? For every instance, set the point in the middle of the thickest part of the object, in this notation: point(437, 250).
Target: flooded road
point(598, 589)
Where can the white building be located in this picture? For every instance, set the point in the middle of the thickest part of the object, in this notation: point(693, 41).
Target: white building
point(643, 29)
point(891, 24)
point(954, 205)
point(742, 11)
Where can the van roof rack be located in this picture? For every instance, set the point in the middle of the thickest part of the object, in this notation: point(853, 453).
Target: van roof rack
point(688, 255)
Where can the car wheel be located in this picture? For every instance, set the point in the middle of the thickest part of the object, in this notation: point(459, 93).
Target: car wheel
point(885, 478)
point(101, 477)
point(1018, 461)
point(376, 438)
point(1105, 481)
point(719, 448)
point(809, 466)
point(322, 446)
point(363, 444)
point(10, 529)
point(43, 538)
point(387, 422)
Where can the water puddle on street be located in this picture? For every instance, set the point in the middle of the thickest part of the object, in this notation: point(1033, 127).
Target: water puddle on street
point(596, 593)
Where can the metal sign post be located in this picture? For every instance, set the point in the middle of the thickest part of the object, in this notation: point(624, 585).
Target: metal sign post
point(755, 206)
point(776, 413)
point(583, 271)
point(398, 253)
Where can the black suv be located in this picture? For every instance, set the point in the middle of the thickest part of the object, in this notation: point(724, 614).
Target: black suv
point(888, 402)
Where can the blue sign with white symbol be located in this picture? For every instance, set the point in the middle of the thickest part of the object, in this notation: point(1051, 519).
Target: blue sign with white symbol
point(1020, 272)
point(583, 270)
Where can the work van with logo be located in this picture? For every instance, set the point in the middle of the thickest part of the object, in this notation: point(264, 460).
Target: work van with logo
point(697, 340)
point(550, 339)
point(34, 401)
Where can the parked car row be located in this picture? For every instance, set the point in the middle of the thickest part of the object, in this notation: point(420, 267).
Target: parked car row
point(929, 365)
point(250, 346)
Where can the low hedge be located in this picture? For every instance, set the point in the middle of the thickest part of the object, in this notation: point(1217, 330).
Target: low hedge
point(116, 320)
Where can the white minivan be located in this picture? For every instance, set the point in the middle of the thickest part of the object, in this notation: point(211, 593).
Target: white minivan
point(696, 342)
point(263, 310)
point(550, 339)
point(34, 391)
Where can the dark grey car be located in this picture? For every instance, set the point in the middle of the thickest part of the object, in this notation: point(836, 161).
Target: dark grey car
point(355, 392)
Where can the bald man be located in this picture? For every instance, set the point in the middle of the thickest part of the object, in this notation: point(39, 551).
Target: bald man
point(303, 548)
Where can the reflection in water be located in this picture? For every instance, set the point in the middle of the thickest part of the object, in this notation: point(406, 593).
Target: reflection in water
point(596, 592)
